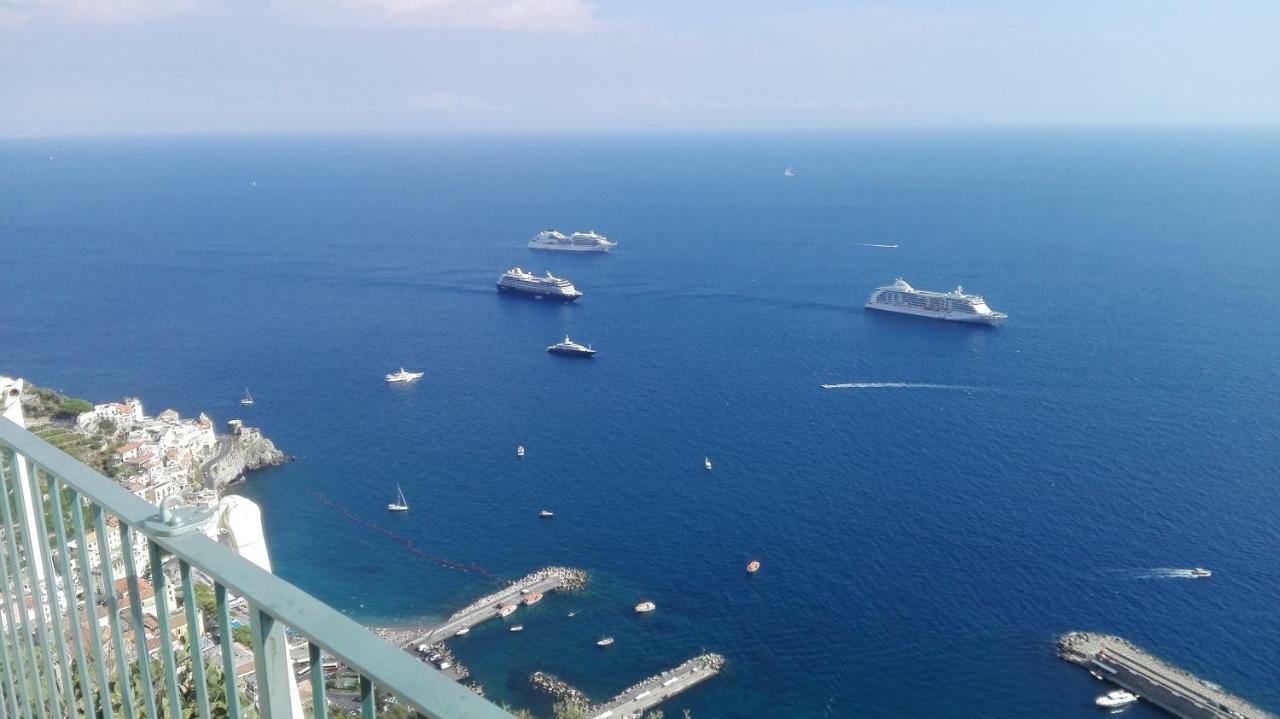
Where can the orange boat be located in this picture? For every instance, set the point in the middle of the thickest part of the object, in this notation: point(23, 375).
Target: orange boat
point(753, 567)
point(533, 598)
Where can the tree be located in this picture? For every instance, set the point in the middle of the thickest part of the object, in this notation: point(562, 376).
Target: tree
point(205, 600)
point(242, 636)
point(569, 710)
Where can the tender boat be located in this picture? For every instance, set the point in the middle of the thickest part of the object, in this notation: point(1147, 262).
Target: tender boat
point(706, 462)
point(604, 642)
point(571, 348)
point(401, 504)
point(1201, 573)
point(520, 450)
point(518, 628)
point(248, 398)
point(506, 610)
point(546, 514)
point(462, 632)
point(1117, 698)
point(753, 567)
point(533, 598)
point(404, 375)
point(645, 607)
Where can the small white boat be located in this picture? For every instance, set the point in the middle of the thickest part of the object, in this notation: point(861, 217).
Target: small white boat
point(789, 172)
point(546, 514)
point(248, 398)
point(404, 375)
point(572, 614)
point(706, 462)
point(645, 607)
point(1115, 699)
point(506, 610)
point(401, 504)
point(1201, 573)
point(604, 642)
point(462, 632)
point(520, 450)
point(518, 628)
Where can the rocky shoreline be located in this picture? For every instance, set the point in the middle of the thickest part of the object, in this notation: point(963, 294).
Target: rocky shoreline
point(242, 450)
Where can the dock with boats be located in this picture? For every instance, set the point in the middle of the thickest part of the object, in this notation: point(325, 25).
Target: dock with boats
point(541, 582)
point(641, 696)
point(1176, 691)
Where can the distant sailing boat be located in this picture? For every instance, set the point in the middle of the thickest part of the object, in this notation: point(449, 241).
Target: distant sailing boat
point(248, 398)
point(789, 172)
point(401, 504)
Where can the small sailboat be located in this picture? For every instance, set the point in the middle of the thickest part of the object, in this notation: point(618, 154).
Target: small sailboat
point(753, 567)
point(604, 642)
point(248, 398)
point(706, 462)
point(400, 505)
point(789, 172)
point(519, 450)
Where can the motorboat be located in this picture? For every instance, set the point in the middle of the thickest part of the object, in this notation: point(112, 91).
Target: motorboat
point(1201, 573)
point(706, 462)
point(604, 642)
point(519, 450)
point(518, 628)
point(645, 607)
point(506, 610)
point(533, 598)
point(753, 566)
point(1116, 699)
point(404, 375)
point(462, 632)
point(546, 514)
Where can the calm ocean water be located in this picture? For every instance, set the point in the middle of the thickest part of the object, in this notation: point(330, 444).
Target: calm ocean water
point(922, 546)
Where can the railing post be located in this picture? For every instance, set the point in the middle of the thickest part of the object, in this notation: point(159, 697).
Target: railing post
point(272, 667)
point(12, 532)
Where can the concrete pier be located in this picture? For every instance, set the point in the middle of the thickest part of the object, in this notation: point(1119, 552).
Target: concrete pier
point(1172, 689)
point(543, 581)
point(642, 696)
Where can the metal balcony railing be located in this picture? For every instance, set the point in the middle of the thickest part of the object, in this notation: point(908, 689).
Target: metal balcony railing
point(78, 638)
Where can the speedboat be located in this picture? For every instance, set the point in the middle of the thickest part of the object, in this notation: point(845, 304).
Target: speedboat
point(645, 607)
point(519, 450)
point(1115, 699)
point(604, 642)
point(753, 567)
point(518, 628)
point(546, 514)
point(1201, 573)
point(706, 462)
point(462, 632)
point(404, 375)
point(569, 347)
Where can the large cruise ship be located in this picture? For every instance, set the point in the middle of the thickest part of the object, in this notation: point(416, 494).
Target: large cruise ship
point(577, 242)
point(526, 283)
point(954, 305)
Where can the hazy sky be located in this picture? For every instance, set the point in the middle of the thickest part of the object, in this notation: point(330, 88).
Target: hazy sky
point(142, 66)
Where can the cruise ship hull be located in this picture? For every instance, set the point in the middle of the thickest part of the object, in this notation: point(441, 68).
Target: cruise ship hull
point(559, 248)
point(993, 320)
point(533, 294)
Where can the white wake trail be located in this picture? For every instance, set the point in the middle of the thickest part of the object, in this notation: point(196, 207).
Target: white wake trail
point(872, 244)
point(898, 385)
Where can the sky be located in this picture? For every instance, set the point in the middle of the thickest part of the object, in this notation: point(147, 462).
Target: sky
point(404, 66)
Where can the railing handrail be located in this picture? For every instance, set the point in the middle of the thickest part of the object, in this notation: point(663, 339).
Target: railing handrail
point(425, 690)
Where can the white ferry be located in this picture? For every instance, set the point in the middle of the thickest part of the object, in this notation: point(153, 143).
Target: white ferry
point(955, 305)
point(577, 242)
point(526, 283)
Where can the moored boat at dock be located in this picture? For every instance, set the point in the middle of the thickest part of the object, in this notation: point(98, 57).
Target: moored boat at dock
point(533, 599)
point(506, 610)
point(1116, 699)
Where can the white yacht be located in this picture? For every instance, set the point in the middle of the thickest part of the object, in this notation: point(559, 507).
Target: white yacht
point(520, 282)
point(404, 376)
point(401, 504)
point(1115, 699)
point(569, 347)
point(590, 241)
point(955, 305)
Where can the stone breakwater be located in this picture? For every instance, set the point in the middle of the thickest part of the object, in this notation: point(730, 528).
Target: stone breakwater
point(244, 449)
point(709, 662)
point(571, 580)
point(559, 689)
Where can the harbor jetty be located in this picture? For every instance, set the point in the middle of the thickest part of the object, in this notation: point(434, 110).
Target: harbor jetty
point(639, 697)
point(543, 581)
point(1174, 690)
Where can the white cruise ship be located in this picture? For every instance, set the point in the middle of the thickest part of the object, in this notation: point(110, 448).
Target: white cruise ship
point(955, 305)
point(577, 242)
point(549, 287)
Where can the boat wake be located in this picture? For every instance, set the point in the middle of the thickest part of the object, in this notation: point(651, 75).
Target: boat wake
point(872, 244)
point(898, 385)
point(1165, 573)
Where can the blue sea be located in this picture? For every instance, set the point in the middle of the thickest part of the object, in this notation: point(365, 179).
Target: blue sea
point(922, 546)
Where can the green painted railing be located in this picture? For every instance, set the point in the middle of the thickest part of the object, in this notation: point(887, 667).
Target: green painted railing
point(66, 650)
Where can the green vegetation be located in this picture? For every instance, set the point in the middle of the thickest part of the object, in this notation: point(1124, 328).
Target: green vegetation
point(205, 600)
point(242, 636)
